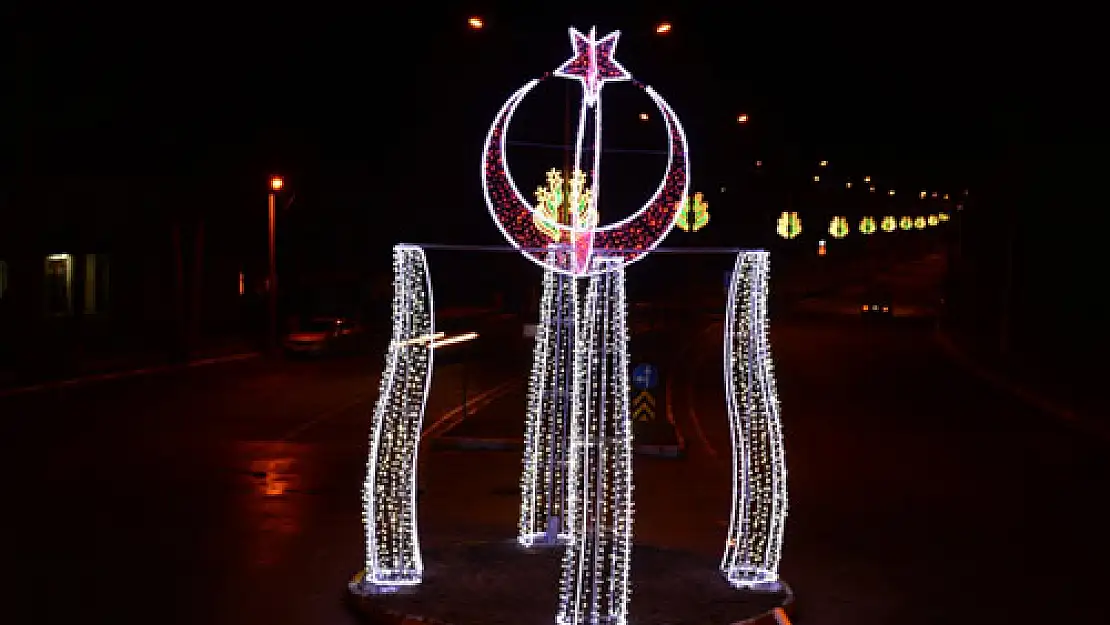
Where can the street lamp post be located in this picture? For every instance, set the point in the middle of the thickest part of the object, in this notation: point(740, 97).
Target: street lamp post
point(276, 184)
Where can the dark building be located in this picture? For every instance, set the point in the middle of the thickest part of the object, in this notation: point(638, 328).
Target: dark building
point(98, 269)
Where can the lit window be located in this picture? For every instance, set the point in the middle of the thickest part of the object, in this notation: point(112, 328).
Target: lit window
point(59, 284)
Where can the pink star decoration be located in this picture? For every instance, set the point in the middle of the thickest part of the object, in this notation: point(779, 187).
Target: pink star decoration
point(593, 63)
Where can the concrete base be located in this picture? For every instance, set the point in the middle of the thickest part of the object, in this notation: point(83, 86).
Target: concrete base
point(501, 583)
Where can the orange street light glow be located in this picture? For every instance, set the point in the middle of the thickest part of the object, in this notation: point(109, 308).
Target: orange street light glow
point(475, 23)
point(276, 183)
point(663, 28)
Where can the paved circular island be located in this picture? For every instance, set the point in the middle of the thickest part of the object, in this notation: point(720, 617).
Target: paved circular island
point(501, 583)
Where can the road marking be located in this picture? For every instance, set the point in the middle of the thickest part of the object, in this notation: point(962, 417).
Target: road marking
point(478, 401)
point(670, 413)
point(1005, 386)
point(117, 375)
point(692, 413)
point(324, 416)
point(452, 417)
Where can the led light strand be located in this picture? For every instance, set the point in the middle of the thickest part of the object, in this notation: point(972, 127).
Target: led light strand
point(595, 585)
point(753, 547)
point(393, 556)
point(544, 482)
point(630, 238)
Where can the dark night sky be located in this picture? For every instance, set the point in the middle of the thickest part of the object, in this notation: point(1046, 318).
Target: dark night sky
point(376, 116)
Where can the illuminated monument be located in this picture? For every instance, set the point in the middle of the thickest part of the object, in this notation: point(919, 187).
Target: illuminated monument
point(576, 484)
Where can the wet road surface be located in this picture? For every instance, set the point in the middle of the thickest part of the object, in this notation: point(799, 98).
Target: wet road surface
point(231, 493)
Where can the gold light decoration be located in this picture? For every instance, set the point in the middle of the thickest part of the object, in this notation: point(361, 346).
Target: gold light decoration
point(556, 202)
point(789, 225)
point(867, 225)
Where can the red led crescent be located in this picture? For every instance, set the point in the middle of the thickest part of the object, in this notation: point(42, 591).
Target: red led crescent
point(628, 240)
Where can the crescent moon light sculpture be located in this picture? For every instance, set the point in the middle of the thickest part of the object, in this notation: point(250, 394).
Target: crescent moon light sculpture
point(629, 239)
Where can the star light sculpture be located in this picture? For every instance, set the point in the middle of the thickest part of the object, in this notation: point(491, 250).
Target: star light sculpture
point(593, 63)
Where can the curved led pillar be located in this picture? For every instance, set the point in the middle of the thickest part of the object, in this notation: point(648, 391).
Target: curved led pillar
point(543, 482)
point(594, 587)
point(389, 494)
point(754, 544)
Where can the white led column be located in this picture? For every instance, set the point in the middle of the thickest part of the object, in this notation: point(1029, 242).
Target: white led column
point(389, 494)
point(594, 586)
point(543, 483)
point(754, 544)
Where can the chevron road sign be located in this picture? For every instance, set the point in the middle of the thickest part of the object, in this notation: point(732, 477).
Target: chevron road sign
point(643, 407)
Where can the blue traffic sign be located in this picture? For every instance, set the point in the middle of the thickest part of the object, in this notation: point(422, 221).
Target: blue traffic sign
point(645, 376)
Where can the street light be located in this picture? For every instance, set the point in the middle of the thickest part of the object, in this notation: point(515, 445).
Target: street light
point(663, 28)
point(277, 183)
point(742, 118)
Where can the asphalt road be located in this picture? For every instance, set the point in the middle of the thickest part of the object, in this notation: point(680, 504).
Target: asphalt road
point(231, 493)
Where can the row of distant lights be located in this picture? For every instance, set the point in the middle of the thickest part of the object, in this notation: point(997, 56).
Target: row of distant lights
point(867, 180)
point(475, 22)
point(664, 28)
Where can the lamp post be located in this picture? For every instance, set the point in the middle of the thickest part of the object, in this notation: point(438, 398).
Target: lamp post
point(277, 183)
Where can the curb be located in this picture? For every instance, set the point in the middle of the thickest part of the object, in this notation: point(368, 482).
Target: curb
point(660, 451)
point(127, 373)
point(1005, 385)
point(473, 443)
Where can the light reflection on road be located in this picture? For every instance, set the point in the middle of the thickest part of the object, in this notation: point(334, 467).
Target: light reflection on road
point(274, 510)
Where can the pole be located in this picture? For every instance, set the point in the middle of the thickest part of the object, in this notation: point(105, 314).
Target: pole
point(271, 283)
point(465, 406)
point(1007, 292)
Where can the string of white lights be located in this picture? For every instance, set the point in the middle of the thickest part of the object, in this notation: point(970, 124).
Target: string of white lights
point(594, 587)
point(753, 547)
point(543, 483)
point(393, 556)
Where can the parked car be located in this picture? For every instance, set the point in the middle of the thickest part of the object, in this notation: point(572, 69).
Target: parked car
point(877, 305)
point(322, 336)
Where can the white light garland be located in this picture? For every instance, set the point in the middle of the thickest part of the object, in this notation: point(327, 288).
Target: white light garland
point(389, 494)
point(595, 584)
point(759, 501)
point(543, 482)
